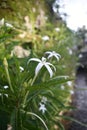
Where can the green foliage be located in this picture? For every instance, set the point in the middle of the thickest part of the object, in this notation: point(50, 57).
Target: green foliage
point(27, 101)
point(16, 11)
point(30, 101)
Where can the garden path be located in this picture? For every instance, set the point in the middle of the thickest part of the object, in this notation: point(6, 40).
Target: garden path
point(80, 99)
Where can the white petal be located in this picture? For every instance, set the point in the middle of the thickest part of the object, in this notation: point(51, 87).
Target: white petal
point(51, 65)
point(9, 25)
point(42, 108)
point(45, 38)
point(44, 100)
point(57, 57)
point(53, 54)
point(5, 86)
point(49, 70)
point(71, 92)
point(21, 69)
point(34, 59)
point(56, 54)
point(48, 52)
point(69, 83)
point(39, 66)
point(6, 95)
point(43, 59)
point(50, 55)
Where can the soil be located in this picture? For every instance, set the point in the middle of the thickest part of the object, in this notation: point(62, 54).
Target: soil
point(80, 99)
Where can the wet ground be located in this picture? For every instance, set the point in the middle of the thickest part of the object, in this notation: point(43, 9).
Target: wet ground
point(80, 100)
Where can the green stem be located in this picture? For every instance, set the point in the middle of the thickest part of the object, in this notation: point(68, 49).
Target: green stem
point(33, 80)
point(7, 73)
point(31, 113)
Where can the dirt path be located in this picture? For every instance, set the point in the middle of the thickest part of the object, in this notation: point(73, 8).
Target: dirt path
point(80, 99)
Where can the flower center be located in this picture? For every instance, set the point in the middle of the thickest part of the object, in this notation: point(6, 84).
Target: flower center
point(43, 60)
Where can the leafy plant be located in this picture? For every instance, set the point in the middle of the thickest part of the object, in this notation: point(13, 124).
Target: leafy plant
point(31, 93)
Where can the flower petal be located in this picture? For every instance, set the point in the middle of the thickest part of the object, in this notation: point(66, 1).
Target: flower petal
point(51, 65)
point(34, 59)
point(49, 70)
point(39, 66)
point(6, 86)
point(45, 38)
point(49, 56)
point(48, 52)
point(42, 108)
point(57, 57)
point(53, 54)
point(43, 59)
point(9, 25)
point(21, 68)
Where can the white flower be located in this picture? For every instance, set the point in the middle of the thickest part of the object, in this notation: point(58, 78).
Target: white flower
point(42, 63)
point(21, 69)
point(80, 56)
point(71, 92)
point(2, 22)
point(44, 100)
point(45, 38)
point(5, 86)
point(53, 54)
point(42, 108)
point(9, 25)
point(57, 29)
point(6, 95)
point(69, 83)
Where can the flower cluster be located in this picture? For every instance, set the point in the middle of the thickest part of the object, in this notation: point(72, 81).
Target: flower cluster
point(50, 67)
point(43, 62)
point(43, 105)
point(53, 54)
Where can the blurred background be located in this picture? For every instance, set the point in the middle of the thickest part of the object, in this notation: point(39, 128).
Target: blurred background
point(28, 28)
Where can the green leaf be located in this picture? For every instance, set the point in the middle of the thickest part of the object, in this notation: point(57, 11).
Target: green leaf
point(33, 114)
point(16, 120)
point(50, 83)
